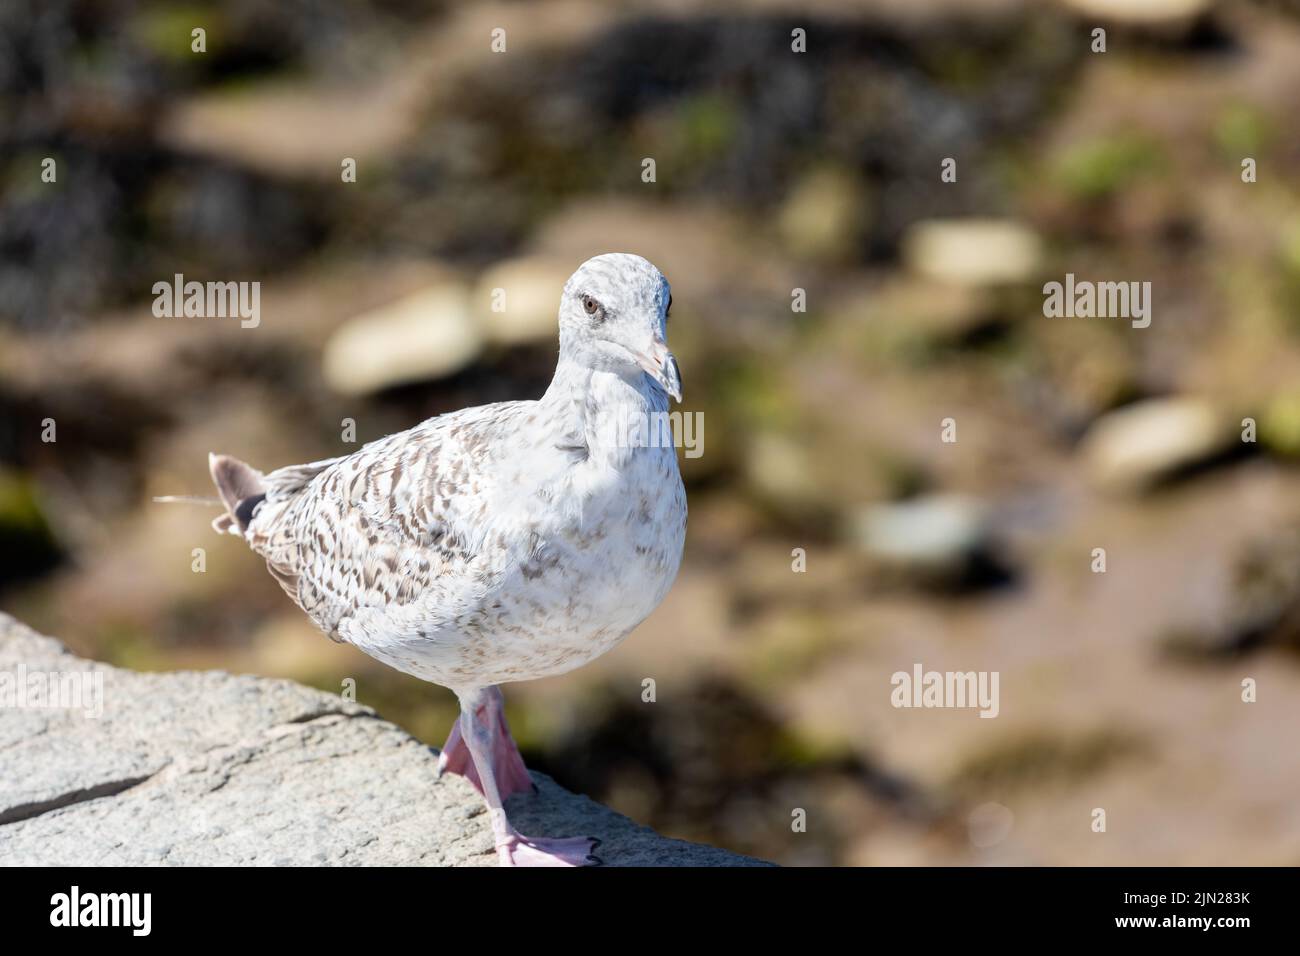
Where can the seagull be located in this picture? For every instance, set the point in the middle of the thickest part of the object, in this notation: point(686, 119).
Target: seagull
point(500, 543)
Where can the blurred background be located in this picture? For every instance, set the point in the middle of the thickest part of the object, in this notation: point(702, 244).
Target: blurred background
point(775, 171)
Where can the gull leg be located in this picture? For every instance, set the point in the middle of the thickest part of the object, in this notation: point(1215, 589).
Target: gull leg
point(513, 849)
point(507, 765)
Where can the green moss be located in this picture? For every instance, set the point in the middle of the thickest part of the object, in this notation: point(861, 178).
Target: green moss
point(797, 751)
point(707, 125)
point(1289, 248)
point(750, 392)
point(797, 648)
point(165, 30)
point(1103, 167)
point(688, 140)
point(1035, 759)
point(1241, 130)
point(124, 644)
point(20, 178)
point(27, 544)
point(1279, 427)
point(19, 512)
point(959, 67)
point(1286, 284)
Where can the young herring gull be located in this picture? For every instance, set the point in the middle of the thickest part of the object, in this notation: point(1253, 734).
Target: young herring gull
point(500, 543)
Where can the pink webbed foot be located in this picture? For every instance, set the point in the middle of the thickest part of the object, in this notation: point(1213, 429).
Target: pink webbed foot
point(507, 765)
point(481, 748)
point(519, 850)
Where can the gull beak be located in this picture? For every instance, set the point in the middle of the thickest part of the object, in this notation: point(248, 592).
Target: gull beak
point(662, 367)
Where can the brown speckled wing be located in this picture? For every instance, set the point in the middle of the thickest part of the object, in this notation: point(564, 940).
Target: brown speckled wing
point(383, 527)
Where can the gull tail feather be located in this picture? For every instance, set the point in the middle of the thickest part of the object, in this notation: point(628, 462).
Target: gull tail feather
point(241, 489)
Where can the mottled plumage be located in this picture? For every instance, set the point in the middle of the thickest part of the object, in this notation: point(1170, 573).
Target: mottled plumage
point(500, 543)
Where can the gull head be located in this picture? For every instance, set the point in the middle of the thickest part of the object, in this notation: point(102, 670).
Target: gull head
point(614, 317)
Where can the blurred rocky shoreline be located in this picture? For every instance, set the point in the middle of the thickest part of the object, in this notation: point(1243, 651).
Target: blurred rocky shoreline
point(1173, 448)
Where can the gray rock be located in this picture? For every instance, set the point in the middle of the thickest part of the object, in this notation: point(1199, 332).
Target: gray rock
point(1138, 445)
point(944, 542)
point(932, 531)
point(423, 337)
point(209, 768)
point(975, 252)
point(532, 289)
point(1141, 12)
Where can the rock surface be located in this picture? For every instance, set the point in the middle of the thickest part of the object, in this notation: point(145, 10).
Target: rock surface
point(420, 338)
point(1137, 445)
point(209, 768)
point(976, 252)
point(531, 288)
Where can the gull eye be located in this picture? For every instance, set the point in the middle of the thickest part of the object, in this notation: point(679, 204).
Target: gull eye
point(590, 305)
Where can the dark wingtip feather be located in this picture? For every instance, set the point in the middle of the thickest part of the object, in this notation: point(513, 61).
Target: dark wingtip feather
point(239, 485)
